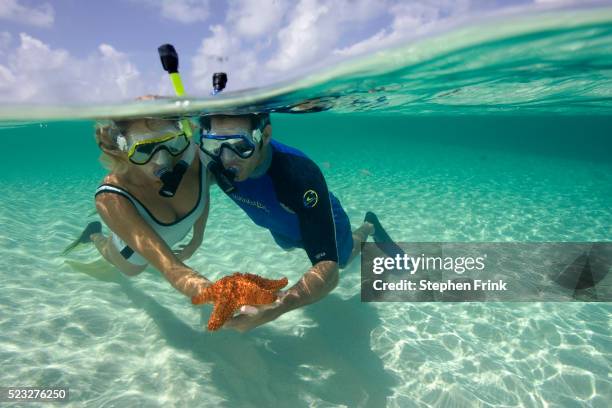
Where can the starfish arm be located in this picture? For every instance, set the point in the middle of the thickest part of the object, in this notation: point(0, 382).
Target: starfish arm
point(222, 311)
point(257, 296)
point(270, 284)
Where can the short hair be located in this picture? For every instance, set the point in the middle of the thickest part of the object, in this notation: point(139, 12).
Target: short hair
point(257, 120)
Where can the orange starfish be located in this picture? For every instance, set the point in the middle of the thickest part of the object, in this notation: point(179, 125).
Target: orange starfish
point(232, 292)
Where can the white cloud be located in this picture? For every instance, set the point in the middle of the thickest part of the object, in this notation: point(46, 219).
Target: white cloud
point(163, 86)
point(316, 27)
point(381, 38)
point(310, 30)
point(419, 16)
point(5, 41)
point(251, 18)
point(37, 73)
point(34, 55)
point(258, 45)
point(183, 11)
point(224, 52)
point(359, 10)
point(116, 70)
point(7, 81)
point(409, 19)
point(238, 45)
point(546, 4)
point(13, 10)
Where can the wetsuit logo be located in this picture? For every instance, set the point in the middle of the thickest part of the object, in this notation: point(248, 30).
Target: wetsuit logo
point(311, 198)
point(248, 201)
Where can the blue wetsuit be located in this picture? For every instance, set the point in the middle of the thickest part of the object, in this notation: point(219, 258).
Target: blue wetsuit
point(292, 201)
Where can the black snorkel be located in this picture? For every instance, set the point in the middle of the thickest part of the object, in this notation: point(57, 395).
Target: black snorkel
point(219, 81)
point(224, 177)
point(172, 178)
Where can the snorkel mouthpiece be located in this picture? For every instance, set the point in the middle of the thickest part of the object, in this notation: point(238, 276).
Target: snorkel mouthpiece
point(224, 177)
point(171, 179)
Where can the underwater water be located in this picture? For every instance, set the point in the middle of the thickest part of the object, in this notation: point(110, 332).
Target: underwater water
point(501, 135)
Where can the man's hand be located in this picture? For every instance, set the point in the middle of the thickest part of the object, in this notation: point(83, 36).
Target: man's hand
point(253, 316)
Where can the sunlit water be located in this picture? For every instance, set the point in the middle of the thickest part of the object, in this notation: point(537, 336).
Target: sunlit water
point(413, 140)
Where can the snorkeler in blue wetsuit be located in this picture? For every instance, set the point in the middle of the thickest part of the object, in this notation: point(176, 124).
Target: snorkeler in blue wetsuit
point(284, 191)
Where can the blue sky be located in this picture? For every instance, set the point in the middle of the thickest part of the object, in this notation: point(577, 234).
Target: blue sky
point(96, 51)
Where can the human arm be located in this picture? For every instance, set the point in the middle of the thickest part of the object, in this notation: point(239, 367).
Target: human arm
point(309, 198)
point(312, 205)
point(123, 219)
point(314, 285)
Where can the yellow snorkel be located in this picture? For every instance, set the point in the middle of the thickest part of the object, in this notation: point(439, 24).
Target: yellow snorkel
point(171, 178)
point(170, 62)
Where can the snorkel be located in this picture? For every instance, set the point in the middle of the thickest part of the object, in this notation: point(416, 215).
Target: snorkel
point(224, 177)
point(171, 178)
point(219, 82)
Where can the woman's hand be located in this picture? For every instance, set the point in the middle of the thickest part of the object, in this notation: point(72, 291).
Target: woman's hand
point(184, 252)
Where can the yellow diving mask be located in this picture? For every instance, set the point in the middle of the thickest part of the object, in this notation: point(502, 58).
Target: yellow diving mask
point(145, 147)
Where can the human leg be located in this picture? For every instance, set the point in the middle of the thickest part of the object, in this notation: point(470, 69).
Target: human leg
point(107, 249)
point(360, 235)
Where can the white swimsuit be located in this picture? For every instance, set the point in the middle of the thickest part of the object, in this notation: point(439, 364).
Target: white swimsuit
point(171, 233)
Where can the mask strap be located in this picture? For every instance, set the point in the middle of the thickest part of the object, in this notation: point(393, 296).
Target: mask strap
point(257, 136)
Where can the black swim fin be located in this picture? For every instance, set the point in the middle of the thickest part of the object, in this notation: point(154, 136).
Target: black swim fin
point(577, 275)
point(587, 270)
point(381, 238)
point(92, 227)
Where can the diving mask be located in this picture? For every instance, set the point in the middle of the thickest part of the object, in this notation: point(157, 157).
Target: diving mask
point(145, 146)
point(239, 141)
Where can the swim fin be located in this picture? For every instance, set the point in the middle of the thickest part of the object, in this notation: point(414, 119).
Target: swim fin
point(92, 227)
point(381, 238)
point(587, 270)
